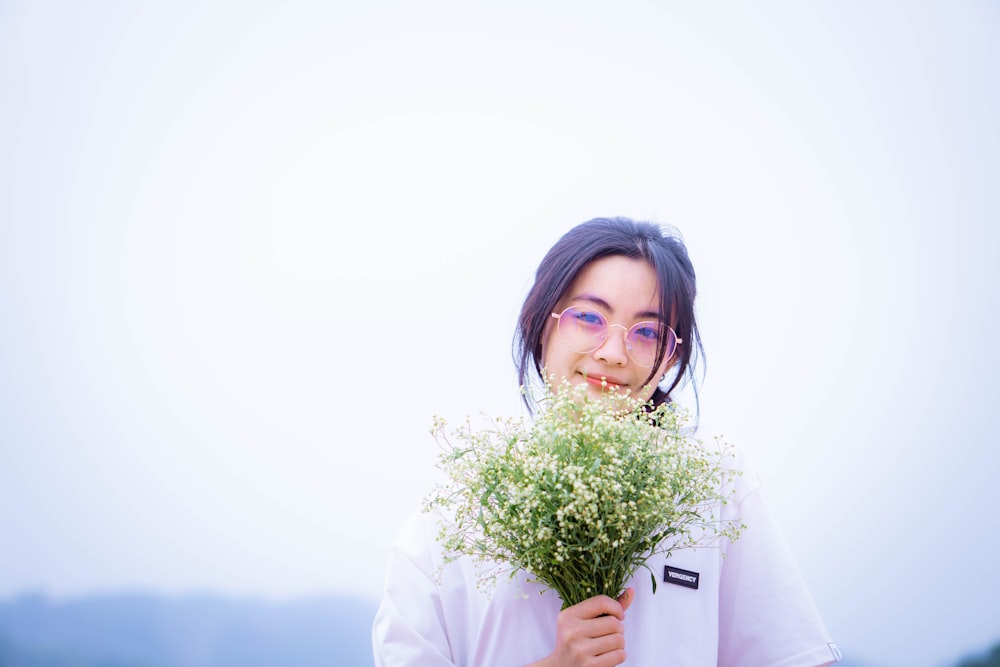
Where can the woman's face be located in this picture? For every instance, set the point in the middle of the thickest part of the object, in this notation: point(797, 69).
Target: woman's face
point(625, 292)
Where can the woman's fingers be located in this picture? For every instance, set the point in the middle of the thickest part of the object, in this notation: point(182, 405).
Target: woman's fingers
point(599, 605)
point(590, 628)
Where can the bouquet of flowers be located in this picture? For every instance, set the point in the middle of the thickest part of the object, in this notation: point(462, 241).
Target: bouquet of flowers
point(583, 496)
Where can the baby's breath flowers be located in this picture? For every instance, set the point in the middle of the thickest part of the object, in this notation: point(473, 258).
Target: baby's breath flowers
point(582, 497)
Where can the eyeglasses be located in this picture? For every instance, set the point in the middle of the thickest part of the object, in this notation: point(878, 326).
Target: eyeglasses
point(586, 330)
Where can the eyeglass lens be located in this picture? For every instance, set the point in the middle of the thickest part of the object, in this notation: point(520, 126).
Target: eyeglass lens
point(586, 330)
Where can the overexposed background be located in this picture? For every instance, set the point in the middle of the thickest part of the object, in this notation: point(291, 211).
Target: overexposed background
point(247, 251)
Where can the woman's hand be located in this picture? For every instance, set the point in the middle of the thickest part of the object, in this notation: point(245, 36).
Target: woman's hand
point(590, 634)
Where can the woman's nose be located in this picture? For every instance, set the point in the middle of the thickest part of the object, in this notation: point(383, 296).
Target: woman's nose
point(612, 350)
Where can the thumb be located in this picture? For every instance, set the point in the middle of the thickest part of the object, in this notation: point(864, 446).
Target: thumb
point(625, 599)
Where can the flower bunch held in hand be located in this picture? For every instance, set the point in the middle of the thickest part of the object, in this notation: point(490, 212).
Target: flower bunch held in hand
point(582, 497)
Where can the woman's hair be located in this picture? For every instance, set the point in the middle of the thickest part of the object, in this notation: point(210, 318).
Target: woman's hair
point(663, 250)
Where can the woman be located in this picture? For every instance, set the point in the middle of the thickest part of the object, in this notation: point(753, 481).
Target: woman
point(612, 306)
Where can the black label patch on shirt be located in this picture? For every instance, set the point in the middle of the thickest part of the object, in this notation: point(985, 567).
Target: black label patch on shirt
point(675, 575)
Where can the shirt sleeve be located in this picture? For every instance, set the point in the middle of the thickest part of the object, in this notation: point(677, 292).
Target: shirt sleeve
point(409, 627)
point(767, 617)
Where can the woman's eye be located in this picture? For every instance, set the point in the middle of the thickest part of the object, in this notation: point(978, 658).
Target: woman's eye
point(647, 333)
point(588, 318)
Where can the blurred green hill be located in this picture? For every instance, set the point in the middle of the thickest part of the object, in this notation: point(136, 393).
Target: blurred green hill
point(990, 659)
point(198, 631)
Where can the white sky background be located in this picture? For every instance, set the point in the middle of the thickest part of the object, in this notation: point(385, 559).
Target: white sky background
point(247, 251)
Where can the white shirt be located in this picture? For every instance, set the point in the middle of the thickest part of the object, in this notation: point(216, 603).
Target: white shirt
point(751, 608)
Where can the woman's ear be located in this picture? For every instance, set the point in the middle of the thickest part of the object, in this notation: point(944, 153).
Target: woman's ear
point(667, 366)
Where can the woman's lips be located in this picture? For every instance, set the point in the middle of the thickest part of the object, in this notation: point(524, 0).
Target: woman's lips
point(602, 381)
